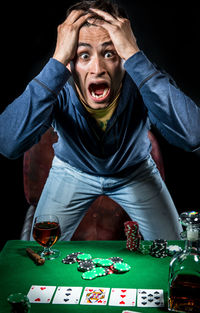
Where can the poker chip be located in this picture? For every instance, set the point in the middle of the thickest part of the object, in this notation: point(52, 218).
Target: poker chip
point(121, 267)
point(74, 255)
point(116, 259)
point(105, 262)
point(145, 247)
point(159, 248)
point(84, 257)
point(101, 271)
point(96, 260)
point(71, 258)
point(172, 249)
point(68, 260)
point(89, 275)
point(85, 266)
point(19, 302)
point(96, 267)
point(133, 237)
point(112, 270)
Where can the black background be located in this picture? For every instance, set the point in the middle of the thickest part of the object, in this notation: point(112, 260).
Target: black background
point(168, 33)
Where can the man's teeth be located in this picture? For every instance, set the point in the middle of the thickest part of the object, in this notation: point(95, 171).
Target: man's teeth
point(100, 96)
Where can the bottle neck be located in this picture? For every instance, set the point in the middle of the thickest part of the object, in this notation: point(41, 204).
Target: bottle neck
point(193, 240)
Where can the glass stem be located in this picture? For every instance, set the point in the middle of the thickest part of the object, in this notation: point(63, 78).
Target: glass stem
point(47, 251)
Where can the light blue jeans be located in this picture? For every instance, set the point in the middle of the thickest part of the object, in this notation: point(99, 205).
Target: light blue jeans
point(68, 193)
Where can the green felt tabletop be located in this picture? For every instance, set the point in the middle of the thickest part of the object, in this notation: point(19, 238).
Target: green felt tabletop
point(18, 273)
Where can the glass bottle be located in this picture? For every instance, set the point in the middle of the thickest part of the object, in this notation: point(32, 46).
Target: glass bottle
point(184, 270)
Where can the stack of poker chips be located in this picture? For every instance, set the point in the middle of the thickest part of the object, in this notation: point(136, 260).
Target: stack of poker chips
point(173, 249)
point(71, 258)
point(132, 234)
point(19, 302)
point(159, 248)
point(145, 247)
point(92, 268)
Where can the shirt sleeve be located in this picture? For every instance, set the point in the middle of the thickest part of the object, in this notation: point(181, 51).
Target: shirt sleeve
point(24, 121)
point(173, 113)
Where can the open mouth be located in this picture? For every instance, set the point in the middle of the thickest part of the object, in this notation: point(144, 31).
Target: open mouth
point(99, 92)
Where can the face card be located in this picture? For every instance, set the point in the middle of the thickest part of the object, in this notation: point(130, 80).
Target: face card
point(67, 295)
point(41, 294)
point(122, 297)
point(150, 298)
point(95, 296)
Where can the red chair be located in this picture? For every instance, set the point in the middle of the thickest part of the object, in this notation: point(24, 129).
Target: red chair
point(104, 219)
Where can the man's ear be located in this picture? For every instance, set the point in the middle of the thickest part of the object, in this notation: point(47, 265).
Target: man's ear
point(70, 66)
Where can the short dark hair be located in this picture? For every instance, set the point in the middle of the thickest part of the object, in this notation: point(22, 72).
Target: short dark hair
point(105, 5)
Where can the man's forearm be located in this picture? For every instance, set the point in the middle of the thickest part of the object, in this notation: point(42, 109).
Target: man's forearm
point(175, 115)
point(28, 117)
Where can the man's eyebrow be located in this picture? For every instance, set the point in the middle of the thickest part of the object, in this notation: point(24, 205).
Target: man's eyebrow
point(84, 44)
point(107, 43)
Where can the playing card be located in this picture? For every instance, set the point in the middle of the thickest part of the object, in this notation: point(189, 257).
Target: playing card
point(129, 311)
point(95, 296)
point(122, 297)
point(67, 295)
point(41, 294)
point(150, 298)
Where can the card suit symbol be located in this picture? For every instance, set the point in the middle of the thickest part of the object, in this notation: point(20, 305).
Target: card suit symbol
point(122, 296)
point(122, 302)
point(66, 300)
point(42, 288)
point(68, 294)
point(90, 290)
point(48, 300)
point(69, 289)
point(37, 299)
point(99, 301)
point(150, 300)
point(123, 290)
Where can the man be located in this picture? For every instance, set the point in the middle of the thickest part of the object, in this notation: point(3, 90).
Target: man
point(99, 92)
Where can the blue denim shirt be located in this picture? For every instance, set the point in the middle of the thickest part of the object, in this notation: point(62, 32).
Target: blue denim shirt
point(147, 96)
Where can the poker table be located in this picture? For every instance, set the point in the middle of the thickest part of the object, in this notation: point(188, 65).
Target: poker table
point(18, 273)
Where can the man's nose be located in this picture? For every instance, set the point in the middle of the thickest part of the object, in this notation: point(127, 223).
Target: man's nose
point(97, 66)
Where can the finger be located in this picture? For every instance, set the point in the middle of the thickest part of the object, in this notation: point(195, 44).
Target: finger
point(82, 19)
point(106, 16)
point(73, 16)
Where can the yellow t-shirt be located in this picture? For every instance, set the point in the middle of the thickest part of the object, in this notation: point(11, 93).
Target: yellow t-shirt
point(102, 116)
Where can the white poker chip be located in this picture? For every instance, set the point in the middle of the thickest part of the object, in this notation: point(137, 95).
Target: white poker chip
point(172, 249)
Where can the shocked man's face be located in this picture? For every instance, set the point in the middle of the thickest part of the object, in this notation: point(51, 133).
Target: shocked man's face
point(97, 68)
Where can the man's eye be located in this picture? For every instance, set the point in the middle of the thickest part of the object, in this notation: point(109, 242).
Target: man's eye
point(84, 56)
point(109, 54)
